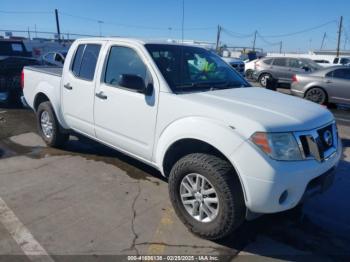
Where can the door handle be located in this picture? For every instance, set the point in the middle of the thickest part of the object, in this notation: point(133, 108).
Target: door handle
point(101, 95)
point(328, 81)
point(68, 86)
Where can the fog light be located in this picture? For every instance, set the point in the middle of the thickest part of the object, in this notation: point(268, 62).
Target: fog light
point(283, 197)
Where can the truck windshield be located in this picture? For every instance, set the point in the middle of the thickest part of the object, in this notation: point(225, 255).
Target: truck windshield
point(191, 69)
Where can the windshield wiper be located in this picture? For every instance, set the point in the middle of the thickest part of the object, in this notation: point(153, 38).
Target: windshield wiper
point(204, 86)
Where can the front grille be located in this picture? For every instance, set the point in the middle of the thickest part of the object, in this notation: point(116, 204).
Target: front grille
point(319, 144)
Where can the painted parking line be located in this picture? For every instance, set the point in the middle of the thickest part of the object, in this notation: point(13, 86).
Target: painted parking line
point(3, 112)
point(165, 221)
point(25, 240)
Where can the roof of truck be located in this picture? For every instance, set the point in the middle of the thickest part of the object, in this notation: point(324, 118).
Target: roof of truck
point(139, 41)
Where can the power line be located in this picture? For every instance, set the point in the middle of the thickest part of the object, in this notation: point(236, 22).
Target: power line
point(236, 35)
point(136, 26)
point(25, 12)
point(302, 31)
point(266, 41)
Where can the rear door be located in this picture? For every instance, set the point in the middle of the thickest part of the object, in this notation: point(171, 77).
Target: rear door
point(338, 85)
point(78, 91)
point(279, 69)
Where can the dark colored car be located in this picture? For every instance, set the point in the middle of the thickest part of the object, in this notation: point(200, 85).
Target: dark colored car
point(282, 69)
point(13, 57)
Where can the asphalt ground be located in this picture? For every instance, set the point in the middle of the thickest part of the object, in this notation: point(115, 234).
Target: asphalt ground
point(88, 202)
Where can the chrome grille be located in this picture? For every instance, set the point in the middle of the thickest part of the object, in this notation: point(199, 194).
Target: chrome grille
point(312, 143)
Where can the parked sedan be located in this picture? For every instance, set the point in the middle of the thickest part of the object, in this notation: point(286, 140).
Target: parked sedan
point(329, 85)
point(282, 69)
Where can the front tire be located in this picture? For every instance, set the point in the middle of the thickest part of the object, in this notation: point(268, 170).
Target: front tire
point(316, 95)
point(49, 127)
point(206, 195)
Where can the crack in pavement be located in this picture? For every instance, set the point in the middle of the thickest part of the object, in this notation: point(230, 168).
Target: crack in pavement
point(133, 243)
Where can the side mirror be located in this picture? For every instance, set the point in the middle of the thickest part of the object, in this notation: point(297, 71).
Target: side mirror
point(136, 83)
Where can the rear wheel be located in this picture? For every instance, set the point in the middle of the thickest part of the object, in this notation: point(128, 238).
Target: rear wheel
point(316, 95)
point(249, 74)
point(264, 78)
point(49, 127)
point(206, 195)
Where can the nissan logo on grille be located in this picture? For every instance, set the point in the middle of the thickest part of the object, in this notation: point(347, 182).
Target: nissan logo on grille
point(328, 138)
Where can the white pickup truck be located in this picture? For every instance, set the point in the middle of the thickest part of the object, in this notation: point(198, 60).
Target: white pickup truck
point(229, 151)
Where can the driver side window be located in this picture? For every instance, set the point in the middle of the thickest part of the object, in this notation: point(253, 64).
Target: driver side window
point(123, 60)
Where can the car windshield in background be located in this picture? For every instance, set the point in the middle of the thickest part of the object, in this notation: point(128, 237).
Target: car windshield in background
point(190, 69)
point(312, 65)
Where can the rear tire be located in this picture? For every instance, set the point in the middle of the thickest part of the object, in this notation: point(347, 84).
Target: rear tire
point(316, 95)
point(263, 78)
point(219, 175)
point(249, 74)
point(49, 127)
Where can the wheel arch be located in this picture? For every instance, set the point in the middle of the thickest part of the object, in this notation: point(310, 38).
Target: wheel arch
point(188, 146)
point(39, 98)
point(184, 137)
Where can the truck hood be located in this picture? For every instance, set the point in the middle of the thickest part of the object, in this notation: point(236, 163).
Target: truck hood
point(256, 109)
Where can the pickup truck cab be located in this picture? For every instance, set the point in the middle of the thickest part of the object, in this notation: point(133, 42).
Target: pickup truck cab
point(229, 151)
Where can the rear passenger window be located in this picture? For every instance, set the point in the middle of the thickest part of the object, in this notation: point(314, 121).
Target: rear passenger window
point(85, 61)
point(77, 60)
point(280, 62)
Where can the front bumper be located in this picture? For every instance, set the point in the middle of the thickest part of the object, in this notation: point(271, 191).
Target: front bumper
point(265, 180)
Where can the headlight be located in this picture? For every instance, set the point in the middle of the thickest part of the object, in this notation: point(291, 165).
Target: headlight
point(279, 146)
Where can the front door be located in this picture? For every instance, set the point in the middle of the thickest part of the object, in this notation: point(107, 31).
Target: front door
point(78, 91)
point(338, 83)
point(124, 117)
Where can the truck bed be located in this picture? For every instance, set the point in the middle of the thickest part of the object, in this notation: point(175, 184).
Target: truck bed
point(52, 70)
point(45, 80)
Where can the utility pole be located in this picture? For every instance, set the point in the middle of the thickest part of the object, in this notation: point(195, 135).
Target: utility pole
point(28, 33)
point(339, 35)
point(324, 38)
point(36, 35)
point(281, 47)
point(218, 39)
point(58, 26)
point(256, 31)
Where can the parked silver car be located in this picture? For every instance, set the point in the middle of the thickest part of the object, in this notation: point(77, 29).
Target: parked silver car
point(328, 85)
point(282, 69)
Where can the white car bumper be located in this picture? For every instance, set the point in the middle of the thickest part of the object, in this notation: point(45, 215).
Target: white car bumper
point(265, 180)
